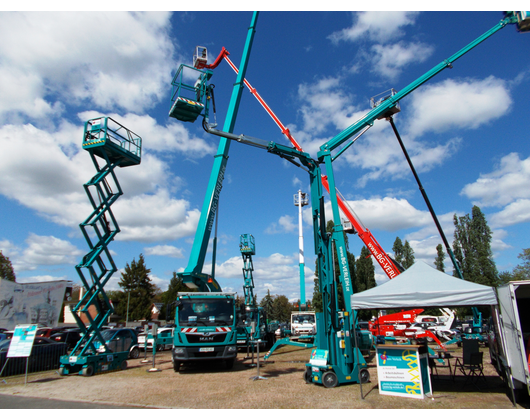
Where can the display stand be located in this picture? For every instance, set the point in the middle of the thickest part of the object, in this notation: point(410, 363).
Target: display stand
point(403, 371)
point(21, 345)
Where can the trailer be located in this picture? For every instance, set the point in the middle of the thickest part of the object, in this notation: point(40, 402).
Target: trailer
point(509, 340)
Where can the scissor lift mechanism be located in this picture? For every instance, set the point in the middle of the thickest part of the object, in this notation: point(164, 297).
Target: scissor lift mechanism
point(117, 147)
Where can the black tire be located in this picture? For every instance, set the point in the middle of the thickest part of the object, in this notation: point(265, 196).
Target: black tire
point(176, 366)
point(308, 375)
point(88, 371)
point(61, 371)
point(123, 365)
point(159, 348)
point(365, 376)
point(329, 379)
point(134, 353)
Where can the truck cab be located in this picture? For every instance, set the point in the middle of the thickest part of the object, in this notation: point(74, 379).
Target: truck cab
point(205, 328)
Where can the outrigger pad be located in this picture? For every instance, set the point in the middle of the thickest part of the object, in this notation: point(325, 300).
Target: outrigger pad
point(184, 109)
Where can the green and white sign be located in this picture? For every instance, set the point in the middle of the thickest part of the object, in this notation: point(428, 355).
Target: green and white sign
point(402, 371)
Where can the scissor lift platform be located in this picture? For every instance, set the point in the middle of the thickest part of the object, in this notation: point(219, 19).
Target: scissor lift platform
point(107, 138)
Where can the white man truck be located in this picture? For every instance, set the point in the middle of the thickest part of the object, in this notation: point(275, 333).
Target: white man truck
point(509, 340)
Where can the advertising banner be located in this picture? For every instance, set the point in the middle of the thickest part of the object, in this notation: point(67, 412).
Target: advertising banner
point(402, 371)
point(31, 303)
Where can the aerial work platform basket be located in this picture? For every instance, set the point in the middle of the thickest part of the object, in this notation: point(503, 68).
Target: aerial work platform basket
point(107, 138)
point(189, 99)
point(247, 245)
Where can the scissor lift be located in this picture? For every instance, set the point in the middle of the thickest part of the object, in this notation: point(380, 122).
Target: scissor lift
point(117, 147)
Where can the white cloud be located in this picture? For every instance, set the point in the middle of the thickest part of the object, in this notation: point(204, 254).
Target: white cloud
point(389, 214)
point(284, 224)
point(379, 154)
point(165, 250)
point(46, 251)
point(389, 60)
point(155, 217)
point(111, 59)
point(378, 26)
point(512, 214)
point(457, 104)
point(504, 185)
point(46, 172)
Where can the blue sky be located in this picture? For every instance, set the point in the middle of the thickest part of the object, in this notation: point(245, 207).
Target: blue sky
point(466, 131)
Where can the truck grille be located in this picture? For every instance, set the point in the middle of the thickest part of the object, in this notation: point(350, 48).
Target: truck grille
point(205, 339)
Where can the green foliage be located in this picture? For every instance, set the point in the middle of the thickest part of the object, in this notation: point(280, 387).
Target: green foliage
point(399, 251)
point(365, 275)
point(281, 309)
point(267, 303)
point(522, 271)
point(169, 297)
point(440, 257)
point(6, 269)
point(365, 278)
point(403, 253)
point(277, 307)
point(472, 248)
point(139, 290)
point(408, 255)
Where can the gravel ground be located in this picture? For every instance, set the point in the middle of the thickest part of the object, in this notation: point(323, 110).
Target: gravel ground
point(213, 387)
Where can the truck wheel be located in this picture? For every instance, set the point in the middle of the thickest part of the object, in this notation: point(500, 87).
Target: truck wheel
point(159, 348)
point(229, 363)
point(61, 371)
point(329, 379)
point(123, 365)
point(176, 366)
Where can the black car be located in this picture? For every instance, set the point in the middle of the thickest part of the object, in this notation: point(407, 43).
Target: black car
point(70, 337)
point(45, 355)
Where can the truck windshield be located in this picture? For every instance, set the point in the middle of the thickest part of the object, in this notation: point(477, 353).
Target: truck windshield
point(299, 319)
point(200, 311)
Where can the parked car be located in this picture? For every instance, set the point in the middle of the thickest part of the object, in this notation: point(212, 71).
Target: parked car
point(120, 339)
point(45, 355)
point(48, 331)
point(70, 337)
point(164, 339)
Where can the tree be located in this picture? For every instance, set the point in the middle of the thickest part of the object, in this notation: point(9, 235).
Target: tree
point(440, 257)
point(267, 303)
point(365, 275)
point(365, 278)
point(403, 253)
point(139, 290)
point(169, 297)
point(281, 309)
point(522, 271)
point(399, 251)
point(408, 255)
point(6, 269)
point(472, 248)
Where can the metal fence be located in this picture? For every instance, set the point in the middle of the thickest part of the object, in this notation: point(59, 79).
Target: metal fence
point(43, 357)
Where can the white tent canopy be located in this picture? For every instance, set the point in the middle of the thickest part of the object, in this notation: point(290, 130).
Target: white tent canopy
point(422, 286)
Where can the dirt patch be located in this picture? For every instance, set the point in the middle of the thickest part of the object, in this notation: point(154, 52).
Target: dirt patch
point(212, 387)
